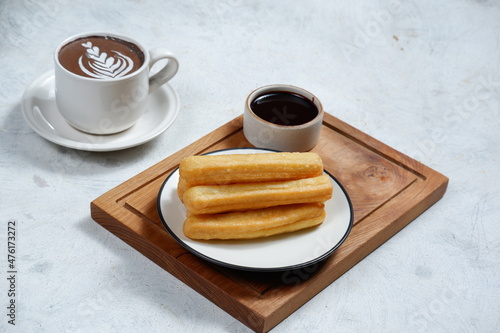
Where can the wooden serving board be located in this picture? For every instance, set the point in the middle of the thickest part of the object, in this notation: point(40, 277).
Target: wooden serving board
point(387, 189)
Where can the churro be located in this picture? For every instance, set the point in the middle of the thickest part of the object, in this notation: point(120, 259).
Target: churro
point(213, 199)
point(246, 168)
point(254, 223)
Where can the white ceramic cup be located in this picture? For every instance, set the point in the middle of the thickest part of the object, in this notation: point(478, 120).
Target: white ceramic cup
point(265, 134)
point(109, 105)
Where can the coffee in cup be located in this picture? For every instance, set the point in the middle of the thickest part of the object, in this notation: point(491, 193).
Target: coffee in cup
point(103, 80)
point(101, 57)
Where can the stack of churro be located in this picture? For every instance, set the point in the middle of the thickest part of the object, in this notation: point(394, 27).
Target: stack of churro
point(244, 196)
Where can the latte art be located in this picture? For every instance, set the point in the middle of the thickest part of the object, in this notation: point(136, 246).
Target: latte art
point(101, 57)
point(102, 66)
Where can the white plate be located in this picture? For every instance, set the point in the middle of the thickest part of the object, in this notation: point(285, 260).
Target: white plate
point(276, 253)
point(40, 112)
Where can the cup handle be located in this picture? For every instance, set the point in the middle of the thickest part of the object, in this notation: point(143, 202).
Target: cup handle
point(166, 73)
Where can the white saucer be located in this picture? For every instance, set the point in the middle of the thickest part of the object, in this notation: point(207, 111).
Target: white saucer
point(40, 112)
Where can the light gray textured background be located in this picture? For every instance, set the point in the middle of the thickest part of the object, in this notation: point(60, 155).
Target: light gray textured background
point(420, 76)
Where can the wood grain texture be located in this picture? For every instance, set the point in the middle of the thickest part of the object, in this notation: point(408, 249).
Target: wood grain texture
point(387, 189)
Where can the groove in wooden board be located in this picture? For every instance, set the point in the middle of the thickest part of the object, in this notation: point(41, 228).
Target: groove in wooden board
point(143, 200)
point(370, 171)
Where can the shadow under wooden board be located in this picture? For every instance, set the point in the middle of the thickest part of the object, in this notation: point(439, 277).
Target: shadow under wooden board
point(388, 190)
